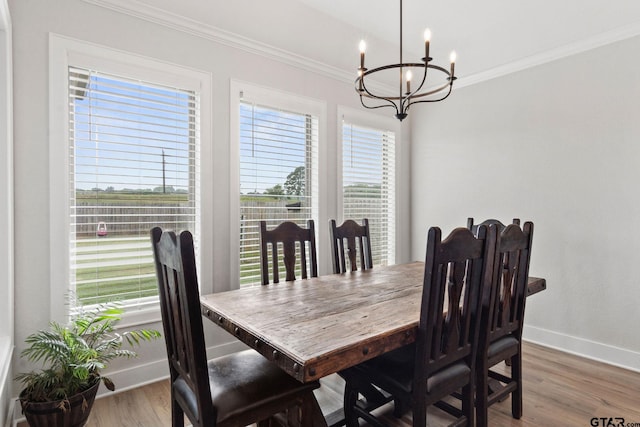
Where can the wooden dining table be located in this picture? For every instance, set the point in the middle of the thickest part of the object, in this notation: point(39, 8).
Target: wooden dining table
point(316, 327)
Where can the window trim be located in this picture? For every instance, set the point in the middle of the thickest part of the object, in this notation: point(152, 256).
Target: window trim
point(277, 99)
point(7, 207)
point(64, 51)
point(375, 121)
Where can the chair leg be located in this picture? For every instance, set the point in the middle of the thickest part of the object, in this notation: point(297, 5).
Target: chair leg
point(420, 415)
point(467, 402)
point(177, 414)
point(349, 402)
point(400, 408)
point(516, 375)
point(482, 393)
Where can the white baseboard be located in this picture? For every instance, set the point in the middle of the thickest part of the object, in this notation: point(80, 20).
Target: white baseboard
point(604, 353)
point(12, 419)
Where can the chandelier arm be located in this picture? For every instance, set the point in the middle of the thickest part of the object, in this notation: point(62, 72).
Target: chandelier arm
point(433, 91)
point(389, 102)
point(439, 68)
point(432, 100)
point(368, 94)
point(424, 79)
point(415, 93)
point(373, 107)
point(406, 102)
point(387, 67)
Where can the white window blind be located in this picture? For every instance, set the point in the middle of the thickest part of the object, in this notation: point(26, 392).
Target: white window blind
point(278, 160)
point(134, 164)
point(368, 185)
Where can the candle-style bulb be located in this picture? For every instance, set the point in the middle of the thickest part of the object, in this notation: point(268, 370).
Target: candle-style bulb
point(408, 75)
point(452, 57)
point(363, 47)
point(427, 39)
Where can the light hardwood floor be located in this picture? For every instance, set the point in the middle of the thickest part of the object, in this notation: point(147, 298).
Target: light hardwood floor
point(559, 390)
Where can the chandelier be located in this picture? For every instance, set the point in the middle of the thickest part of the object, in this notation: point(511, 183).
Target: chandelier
point(406, 97)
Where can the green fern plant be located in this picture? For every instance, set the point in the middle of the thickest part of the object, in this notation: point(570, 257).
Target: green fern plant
point(73, 356)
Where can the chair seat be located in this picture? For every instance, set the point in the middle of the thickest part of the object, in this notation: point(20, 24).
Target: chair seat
point(395, 370)
point(242, 382)
point(502, 349)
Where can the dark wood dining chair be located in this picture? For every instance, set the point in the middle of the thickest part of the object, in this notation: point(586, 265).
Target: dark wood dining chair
point(358, 241)
point(288, 235)
point(458, 271)
point(234, 390)
point(503, 318)
point(474, 227)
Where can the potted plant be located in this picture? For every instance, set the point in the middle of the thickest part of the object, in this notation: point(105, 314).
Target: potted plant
point(62, 392)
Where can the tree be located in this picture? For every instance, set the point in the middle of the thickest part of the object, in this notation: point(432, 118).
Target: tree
point(276, 190)
point(167, 189)
point(295, 183)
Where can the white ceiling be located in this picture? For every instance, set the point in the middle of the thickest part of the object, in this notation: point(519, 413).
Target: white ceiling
point(485, 34)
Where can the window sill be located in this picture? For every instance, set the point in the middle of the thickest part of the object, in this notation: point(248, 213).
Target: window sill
point(135, 317)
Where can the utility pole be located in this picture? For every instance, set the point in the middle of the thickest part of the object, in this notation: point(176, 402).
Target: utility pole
point(164, 188)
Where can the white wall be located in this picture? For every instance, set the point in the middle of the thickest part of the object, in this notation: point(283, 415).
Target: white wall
point(33, 20)
point(558, 144)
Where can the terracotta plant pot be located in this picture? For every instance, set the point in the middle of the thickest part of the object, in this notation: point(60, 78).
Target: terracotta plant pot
point(72, 412)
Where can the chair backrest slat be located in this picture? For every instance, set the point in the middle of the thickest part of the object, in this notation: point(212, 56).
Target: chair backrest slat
point(358, 245)
point(288, 235)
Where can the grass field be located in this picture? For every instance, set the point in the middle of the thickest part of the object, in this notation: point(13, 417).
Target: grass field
point(138, 198)
point(120, 266)
point(114, 268)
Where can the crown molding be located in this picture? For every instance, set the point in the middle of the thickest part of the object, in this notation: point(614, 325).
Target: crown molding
point(196, 28)
point(570, 49)
point(190, 26)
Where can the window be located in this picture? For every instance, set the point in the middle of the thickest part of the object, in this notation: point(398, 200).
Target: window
point(126, 149)
point(132, 152)
point(277, 173)
point(368, 184)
